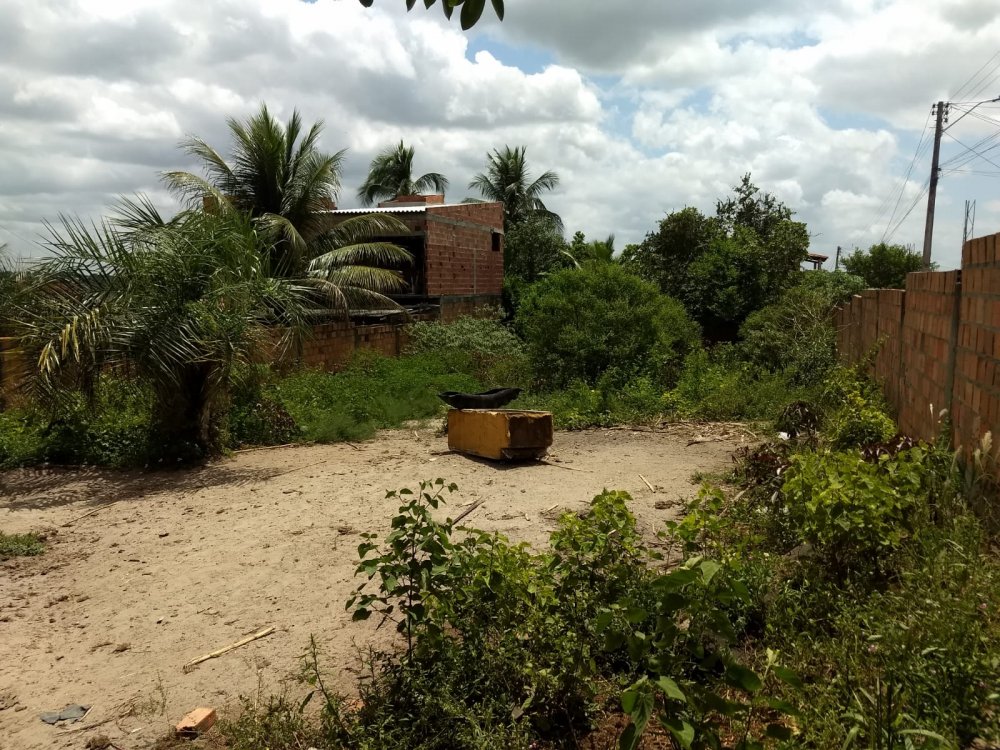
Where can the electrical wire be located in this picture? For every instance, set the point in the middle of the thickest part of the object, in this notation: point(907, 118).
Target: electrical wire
point(969, 82)
point(897, 193)
point(890, 233)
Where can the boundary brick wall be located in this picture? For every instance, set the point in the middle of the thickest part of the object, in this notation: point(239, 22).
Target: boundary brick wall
point(936, 344)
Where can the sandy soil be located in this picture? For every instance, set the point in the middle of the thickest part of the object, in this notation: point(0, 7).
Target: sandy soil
point(173, 565)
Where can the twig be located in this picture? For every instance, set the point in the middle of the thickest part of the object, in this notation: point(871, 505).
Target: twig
point(702, 440)
point(352, 445)
point(243, 642)
point(651, 488)
point(297, 468)
point(89, 726)
point(560, 466)
point(467, 511)
point(90, 513)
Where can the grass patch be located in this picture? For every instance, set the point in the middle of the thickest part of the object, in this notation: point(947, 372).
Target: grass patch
point(373, 393)
point(20, 545)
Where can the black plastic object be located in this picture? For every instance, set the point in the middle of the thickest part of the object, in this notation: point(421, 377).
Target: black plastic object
point(491, 399)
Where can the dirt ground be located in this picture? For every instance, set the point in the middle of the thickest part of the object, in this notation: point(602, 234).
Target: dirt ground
point(147, 571)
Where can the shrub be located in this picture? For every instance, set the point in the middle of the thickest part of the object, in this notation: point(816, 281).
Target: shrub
point(717, 385)
point(20, 545)
point(580, 323)
point(373, 392)
point(480, 346)
point(256, 417)
point(854, 512)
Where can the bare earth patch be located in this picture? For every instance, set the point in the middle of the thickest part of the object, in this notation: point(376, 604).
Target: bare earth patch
point(173, 565)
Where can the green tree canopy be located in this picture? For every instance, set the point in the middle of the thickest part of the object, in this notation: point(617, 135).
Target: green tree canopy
point(883, 266)
point(278, 178)
point(176, 303)
point(470, 10)
point(533, 248)
point(581, 323)
point(726, 266)
point(391, 174)
point(507, 179)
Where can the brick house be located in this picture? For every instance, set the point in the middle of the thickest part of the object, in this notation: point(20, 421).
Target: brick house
point(457, 268)
point(457, 251)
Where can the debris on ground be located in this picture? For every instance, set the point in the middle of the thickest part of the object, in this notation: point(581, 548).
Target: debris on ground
point(196, 722)
point(72, 713)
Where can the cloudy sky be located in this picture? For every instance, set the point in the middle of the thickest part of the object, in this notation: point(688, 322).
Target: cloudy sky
point(642, 107)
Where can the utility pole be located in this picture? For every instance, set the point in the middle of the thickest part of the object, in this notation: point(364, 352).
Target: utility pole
point(970, 221)
point(941, 110)
point(836, 262)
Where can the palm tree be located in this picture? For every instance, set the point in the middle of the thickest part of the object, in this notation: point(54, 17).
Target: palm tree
point(277, 176)
point(506, 179)
point(391, 175)
point(176, 303)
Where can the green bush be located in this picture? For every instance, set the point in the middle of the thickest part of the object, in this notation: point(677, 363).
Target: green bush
point(111, 429)
point(372, 393)
point(856, 410)
point(480, 346)
point(20, 545)
point(856, 513)
point(581, 323)
point(719, 386)
point(256, 417)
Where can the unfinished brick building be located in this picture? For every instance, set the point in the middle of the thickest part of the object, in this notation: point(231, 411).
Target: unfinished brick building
point(457, 268)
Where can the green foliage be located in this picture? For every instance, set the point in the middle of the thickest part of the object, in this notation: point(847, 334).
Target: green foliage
point(256, 416)
point(533, 248)
point(112, 428)
point(717, 385)
point(855, 513)
point(883, 266)
point(725, 267)
point(580, 323)
point(610, 402)
point(20, 545)
point(391, 174)
point(471, 10)
point(372, 393)
point(794, 335)
point(481, 346)
point(508, 180)
point(857, 414)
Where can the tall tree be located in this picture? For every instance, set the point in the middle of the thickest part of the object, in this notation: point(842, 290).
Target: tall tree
point(391, 175)
point(726, 266)
point(177, 303)
point(883, 266)
point(277, 176)
point(507, 179)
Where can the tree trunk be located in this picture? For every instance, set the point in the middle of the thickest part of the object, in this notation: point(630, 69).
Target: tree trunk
point(187, 417)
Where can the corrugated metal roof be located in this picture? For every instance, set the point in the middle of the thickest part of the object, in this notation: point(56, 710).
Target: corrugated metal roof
point(394, 209)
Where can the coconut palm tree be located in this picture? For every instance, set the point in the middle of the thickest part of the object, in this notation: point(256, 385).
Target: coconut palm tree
point(178, 303)
point(507, 179)
point(391, 174)
point(277, 176)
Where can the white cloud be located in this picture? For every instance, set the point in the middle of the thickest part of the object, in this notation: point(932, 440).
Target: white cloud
point(643, 107)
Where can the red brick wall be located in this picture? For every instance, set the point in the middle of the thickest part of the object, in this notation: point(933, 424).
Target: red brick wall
point(937, 344)
point(460, 255)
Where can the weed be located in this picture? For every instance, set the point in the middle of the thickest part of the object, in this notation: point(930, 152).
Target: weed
point(20, 545)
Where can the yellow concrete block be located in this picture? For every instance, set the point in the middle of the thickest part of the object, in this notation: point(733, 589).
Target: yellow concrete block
point(500, 434)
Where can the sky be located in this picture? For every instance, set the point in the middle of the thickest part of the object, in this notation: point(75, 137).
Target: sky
point(642, 107)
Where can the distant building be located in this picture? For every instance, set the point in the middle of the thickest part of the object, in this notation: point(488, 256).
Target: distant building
point(457, 251)
point(815, 261)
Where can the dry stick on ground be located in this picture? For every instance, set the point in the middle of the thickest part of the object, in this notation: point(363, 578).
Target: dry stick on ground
point(560, 466)
point(467, 511)
point(90, 513)
point(651, 488)
point(225, 650)
point(297, 468)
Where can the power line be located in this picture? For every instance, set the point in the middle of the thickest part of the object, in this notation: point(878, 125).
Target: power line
point(972, 150)
point(969, 82)
point(890, 233)
point(922, 146)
